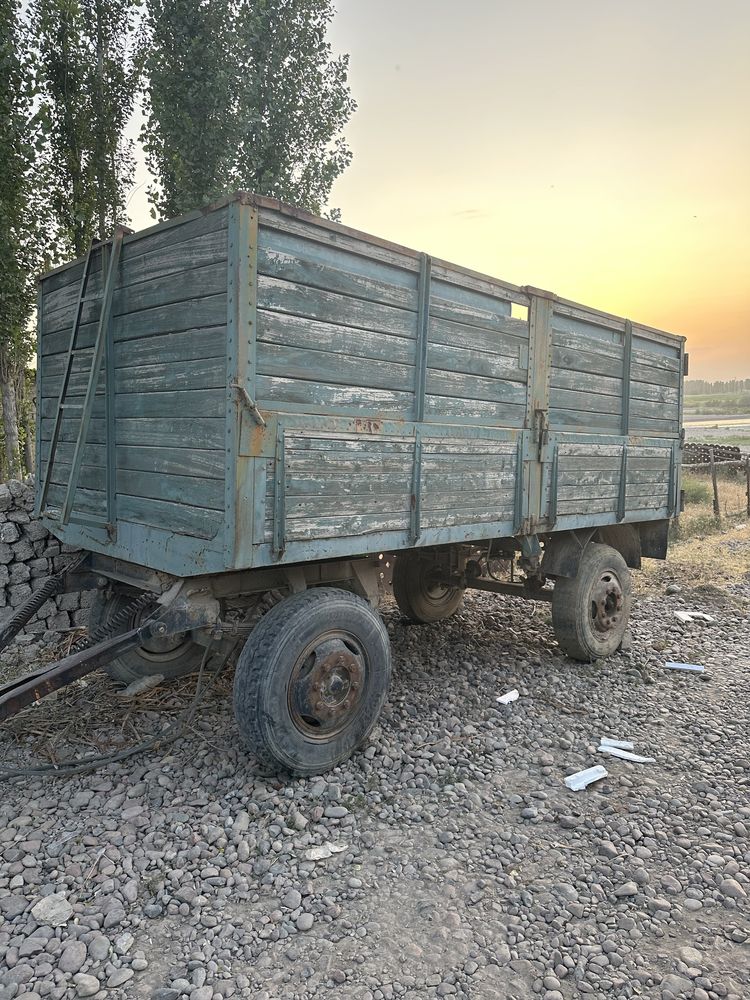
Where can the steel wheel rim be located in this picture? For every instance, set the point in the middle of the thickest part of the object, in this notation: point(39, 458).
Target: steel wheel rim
point(326, 685)
point(433, 590)
point(606, 603)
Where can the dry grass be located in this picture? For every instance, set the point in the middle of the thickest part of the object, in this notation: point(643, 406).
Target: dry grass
point(92, 716)
point(711, 560)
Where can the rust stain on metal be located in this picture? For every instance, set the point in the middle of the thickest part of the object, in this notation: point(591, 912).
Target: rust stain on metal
point(257, 437)
point(366, 425)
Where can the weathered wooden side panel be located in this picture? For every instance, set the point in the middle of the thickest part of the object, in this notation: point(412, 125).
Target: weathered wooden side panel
point(169, 374)
point(285, 389)
point(336, 331)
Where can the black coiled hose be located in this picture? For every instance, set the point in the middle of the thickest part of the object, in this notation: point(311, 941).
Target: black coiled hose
point(110, 627)
point(51, 586)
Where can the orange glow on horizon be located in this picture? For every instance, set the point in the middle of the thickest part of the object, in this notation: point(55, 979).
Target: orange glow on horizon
point(599, 150)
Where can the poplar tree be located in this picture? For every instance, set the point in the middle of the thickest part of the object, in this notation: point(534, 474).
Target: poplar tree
point(87, 82)
point(21, 241)
point(243, 94)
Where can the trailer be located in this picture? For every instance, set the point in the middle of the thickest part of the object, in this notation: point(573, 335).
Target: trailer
point(250, 398)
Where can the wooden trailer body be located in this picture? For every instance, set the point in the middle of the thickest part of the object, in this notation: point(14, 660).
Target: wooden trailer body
point(279, 389)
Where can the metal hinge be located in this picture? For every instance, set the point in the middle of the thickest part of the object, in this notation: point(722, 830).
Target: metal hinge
point(540, 431)
point(249, 403)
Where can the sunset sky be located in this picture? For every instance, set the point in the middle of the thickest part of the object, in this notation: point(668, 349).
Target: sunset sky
point(600, 149)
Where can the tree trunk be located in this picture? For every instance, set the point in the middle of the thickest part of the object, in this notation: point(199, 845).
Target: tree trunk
point(26, 421)
point(10, 422)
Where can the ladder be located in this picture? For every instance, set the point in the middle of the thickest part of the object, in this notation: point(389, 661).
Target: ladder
point(102, 340)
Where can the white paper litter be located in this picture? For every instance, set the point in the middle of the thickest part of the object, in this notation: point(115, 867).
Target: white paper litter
point(508, 697)
point(695, 668)
point(691, 616)
point(605, 741)
point(581, 779)
point(320, 853)
point(626, 755)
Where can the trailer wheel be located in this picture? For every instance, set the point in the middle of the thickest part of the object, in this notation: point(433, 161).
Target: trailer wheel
point(419, 594)
point(590, 612)
point(173, 657)
point(311, 681)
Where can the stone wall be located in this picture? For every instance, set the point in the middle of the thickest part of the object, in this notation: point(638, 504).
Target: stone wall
point(28, 555)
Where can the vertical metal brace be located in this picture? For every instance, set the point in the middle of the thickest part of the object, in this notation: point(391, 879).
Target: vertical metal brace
point(415, 506)
point(518, 497)
point(622, 493)
point(279, 496)
point(672, 497)
point(96, 363)
point(552, 515)
point(423, 332)
point(109, 418)
point(239, 494)
point(627, 353)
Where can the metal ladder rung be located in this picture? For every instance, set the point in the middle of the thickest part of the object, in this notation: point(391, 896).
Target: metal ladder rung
point(89, 519)
point(71, 406)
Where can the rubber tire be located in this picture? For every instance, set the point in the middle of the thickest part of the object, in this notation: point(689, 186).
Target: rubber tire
point(136, 663)
point(266, 664)
point(410, 574)
point(571, 616)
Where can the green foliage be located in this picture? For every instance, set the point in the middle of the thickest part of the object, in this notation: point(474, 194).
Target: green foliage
point(243, 94)
point(21, 249)
point(724, 404)
point(87, 80)
point(187, 135)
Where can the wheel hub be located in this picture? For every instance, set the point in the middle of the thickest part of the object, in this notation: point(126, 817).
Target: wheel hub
point(326, 685)
point(606, 602)
point(160, 647)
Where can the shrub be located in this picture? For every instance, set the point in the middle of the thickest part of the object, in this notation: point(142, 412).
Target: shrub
point(696, 490)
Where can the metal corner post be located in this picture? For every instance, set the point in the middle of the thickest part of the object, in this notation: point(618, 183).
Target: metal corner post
point(541, 305)
point(242, 257)
point(627, 353)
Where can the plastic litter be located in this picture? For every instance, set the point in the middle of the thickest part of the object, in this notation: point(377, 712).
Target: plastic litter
point(323, 851)
point(581, 779)
point(605, 741)
point(626, 755)
point(508, 697)
point(692, 616)
point(695, 668)
point(140, 685)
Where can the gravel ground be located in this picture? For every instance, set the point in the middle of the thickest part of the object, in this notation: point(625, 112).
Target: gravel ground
point(458, 863)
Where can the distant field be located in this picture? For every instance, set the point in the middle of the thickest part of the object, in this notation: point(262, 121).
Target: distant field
point(718, 403)
point(731, 431)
